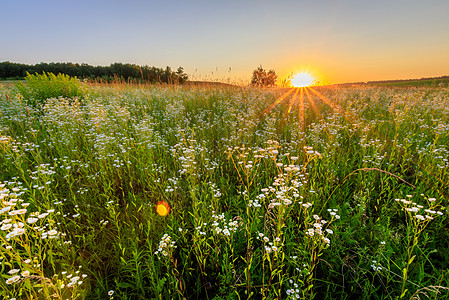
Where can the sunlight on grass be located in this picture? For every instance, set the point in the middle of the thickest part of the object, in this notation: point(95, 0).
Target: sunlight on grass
point(173, 192)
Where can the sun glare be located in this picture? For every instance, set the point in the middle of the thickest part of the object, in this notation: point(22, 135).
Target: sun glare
point(302, 80)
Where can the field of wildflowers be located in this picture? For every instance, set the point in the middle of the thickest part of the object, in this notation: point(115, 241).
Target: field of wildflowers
point(171, 192)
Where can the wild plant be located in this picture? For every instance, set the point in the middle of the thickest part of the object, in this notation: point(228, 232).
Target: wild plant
point(40, 87)
point(32, 245)
point(418, 218)
point(127, 168)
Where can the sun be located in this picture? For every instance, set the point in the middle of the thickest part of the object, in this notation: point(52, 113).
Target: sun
point(302, 80)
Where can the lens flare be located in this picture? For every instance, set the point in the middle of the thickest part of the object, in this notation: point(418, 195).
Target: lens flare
point(162, 208)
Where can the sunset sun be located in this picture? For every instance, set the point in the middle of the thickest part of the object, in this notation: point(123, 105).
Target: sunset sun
point(302, 80)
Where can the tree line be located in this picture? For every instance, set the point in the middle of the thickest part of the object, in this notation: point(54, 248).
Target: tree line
point(120, 71)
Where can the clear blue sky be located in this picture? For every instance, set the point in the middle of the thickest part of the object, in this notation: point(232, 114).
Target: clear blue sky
point(338, 41)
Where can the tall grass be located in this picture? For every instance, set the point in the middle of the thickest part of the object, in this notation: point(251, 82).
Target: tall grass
point(339, 194)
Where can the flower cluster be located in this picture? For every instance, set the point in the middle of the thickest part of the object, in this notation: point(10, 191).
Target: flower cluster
point(270, 246)
point(173, 185)
point(19, 226)
point(72, 279)
point(333, 213)
point(295, 292)
point(14, 212)
point(376, 266)
point(309, 151)
point(255, 202)
point(186, 152)
point(17, 275)
point(222, 226)
point(198, 229)
point(285, 191)
point(318, 229)
point(419, 212)
point(166, 246)
point(215, 190)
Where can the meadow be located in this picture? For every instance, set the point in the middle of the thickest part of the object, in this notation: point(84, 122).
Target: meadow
point(425, 82)
point(195, 192)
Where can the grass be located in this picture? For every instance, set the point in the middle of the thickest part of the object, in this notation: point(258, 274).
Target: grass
point(332, 193)
point(434, 82)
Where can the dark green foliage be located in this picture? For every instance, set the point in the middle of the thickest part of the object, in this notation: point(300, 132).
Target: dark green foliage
point(116, 71)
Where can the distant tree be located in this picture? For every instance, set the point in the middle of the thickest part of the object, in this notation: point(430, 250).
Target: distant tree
point(262, 78)
point(258, 75)
point(12, 70)
point(167, 75)
point(181, 76)
point(270, 79)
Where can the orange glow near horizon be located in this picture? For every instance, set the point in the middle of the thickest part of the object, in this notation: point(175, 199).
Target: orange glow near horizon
point(305, 100)
point(302, 80)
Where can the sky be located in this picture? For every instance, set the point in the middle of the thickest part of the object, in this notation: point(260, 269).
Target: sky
point(335, 41)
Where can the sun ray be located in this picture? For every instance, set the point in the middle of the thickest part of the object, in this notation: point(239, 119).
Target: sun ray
point(291, 102)
point(313, 104)
point(302, 123)
point(337, 108)
point(273, 105)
